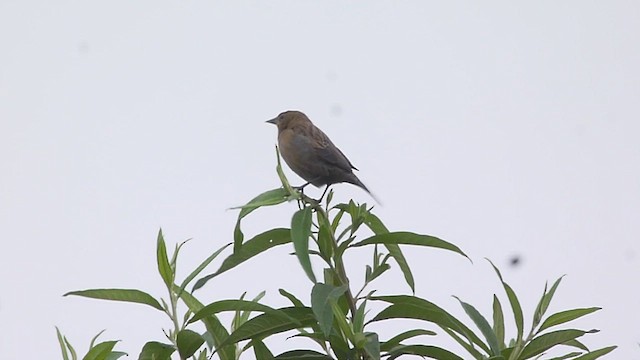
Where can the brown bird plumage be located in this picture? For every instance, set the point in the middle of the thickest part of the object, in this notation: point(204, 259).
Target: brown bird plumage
point(310, 153)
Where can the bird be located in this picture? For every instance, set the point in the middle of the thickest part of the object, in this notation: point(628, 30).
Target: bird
point(311, 154)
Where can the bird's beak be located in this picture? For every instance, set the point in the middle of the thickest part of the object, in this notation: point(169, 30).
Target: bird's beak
point(273, 121)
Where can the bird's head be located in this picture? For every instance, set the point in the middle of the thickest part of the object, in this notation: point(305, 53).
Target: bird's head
point(289, 119)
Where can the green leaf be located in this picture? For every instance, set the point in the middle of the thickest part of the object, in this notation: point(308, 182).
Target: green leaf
point(229, 305)
point(93, 340)
point(303, 355)
point(358, 318)
point(325, 239)
point(300, 233)
point(544, 342)
point(294, 300)
point(469, 346)
point(514, 302)
point(433, 352)
point(336, 220)
point(340, 347)
point(411, 307)
point(566, 316)
point(544, 302)
point(100, 351)
point(293, 194)
point(215, 330)
point(74, 355)
point(322, 298)
point(126, 295)
point(201, 267)
point(498, 321)
point(268, 324)
point(377, 272)
point(115, 355)
point(378, 228)
point(577, 344)
point(596, 353)
point(517, 309)
point(164, 268)
point(154, 350)
point(409, 238)
point(188, 343)
point(396, 340)
point(63, 347)
point(548, 296)
point(567, 356)
point(267, 198)
point(372, 346)
point(258, 244)
point(261, 351)
point(483, 325)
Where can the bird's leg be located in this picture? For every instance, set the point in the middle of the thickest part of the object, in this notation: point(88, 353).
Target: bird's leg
point(323, 193)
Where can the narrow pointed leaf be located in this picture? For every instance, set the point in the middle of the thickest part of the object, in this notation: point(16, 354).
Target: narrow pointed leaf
point(294, 300)
point(63, 347)
point(267, 198)
point(358, 319)
point(483, 325)
point(93, 340)
point(411, 307)
point(303, 355)
point(537, 314)
point(300, 233)
point(570, 355)
point(498, 321)
point(549, 295)
point(544, 342)
point(432, 352)
point(468, 345)
point(576, 344)
point(257, 245)
point(396, 340)
point(164, 268)
point(596, 353)
point(215, 330)
point(325, 239)
point(409, 238)
point(514, 302)
point(126, 295)
point(378, 228)
point(72, 351)
point(201, 267)
point(230, 305)
point(261, 351)
point(566, 316)
point(268, 324)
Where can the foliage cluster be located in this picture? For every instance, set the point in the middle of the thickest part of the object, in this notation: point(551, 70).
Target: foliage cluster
point(337, 321)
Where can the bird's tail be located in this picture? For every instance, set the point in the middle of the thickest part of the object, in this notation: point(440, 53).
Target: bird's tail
point(361, 185)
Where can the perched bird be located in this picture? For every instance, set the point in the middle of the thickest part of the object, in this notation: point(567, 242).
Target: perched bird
point(311, 154)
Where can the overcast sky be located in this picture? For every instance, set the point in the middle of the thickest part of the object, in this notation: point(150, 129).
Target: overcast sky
point(509, 129)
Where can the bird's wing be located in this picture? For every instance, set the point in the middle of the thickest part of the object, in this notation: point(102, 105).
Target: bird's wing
point(330, 153)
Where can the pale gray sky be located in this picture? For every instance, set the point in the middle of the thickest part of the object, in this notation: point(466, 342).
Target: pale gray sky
point(506, 128)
